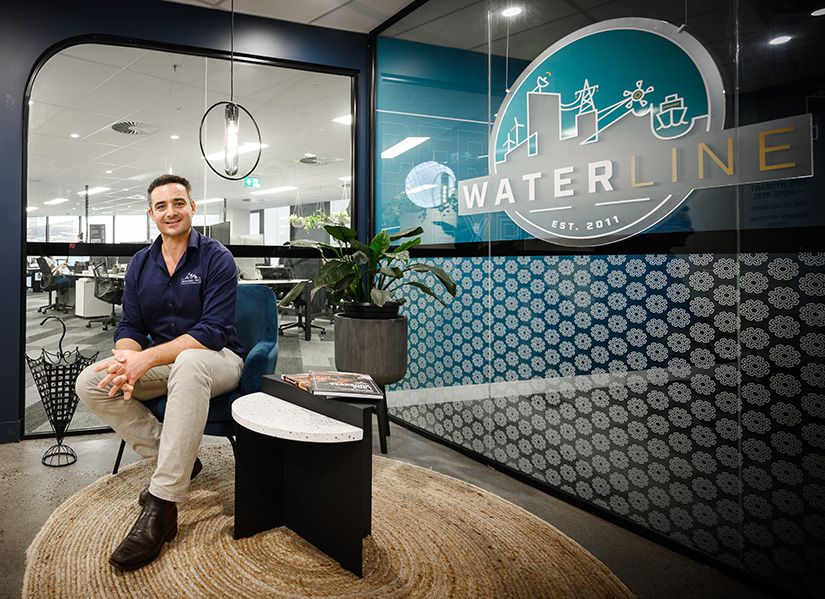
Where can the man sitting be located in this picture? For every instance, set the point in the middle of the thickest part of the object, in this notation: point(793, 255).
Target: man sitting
point(176, 338)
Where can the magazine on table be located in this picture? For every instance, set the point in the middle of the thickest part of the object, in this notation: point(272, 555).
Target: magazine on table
point(301, 381)
point(335, 384)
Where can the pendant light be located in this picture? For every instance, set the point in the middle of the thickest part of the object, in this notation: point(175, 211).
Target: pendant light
point(231, 125)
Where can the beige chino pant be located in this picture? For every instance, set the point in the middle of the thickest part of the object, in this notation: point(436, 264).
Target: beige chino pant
point(189, 383)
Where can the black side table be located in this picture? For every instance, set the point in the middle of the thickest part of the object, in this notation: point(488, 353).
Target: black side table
point(304, 462)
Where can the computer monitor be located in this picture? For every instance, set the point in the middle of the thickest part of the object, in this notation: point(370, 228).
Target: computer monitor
point(251, 239)
point(73, 260)
point(247, 268)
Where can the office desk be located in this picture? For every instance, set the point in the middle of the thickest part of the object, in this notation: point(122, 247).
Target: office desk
point(32, 277)
point(271, 282)
point(111, 275)
point(86, 305)
point(284, 283)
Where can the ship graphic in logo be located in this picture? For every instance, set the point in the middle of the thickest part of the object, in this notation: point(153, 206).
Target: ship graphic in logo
point(610, 129)
point(671, 113)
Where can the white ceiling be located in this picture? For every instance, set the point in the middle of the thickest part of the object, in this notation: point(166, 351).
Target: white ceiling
point(730, 30)
point(350, 15)
point(86, 89)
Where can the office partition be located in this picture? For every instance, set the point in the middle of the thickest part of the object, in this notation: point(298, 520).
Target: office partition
point(627, 196)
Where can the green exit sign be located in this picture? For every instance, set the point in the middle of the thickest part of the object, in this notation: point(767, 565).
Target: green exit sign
point(254, 182)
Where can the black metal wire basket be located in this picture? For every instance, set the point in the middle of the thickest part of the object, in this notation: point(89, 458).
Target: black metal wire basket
point(55, 375)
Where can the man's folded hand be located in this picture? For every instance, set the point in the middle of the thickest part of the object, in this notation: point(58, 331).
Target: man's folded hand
point(124, 369)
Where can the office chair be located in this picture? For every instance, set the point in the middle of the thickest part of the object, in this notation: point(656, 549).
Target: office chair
point(256, 320)
point(275, 272)
point(107, 290)
point(306, 268)
point(51, 282)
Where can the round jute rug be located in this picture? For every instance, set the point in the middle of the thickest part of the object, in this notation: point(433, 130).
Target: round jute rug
point(432, 536)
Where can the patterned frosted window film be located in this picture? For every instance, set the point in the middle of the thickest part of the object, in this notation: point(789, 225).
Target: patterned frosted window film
point(622, 380)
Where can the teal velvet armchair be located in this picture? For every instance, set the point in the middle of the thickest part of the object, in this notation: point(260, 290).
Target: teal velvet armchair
point(256, 320)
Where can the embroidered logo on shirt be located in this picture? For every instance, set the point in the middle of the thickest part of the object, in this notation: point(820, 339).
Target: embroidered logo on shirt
point(190, 279)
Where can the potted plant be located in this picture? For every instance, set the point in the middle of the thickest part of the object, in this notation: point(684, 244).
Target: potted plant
point(365, 280)
point(316, 220)
point(339, 218)
point(319, 219)
point(297, 221)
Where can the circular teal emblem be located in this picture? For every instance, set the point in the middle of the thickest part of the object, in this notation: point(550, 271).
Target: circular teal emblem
point(585, 131)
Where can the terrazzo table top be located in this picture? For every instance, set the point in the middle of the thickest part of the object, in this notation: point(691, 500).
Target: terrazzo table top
point(268, 415)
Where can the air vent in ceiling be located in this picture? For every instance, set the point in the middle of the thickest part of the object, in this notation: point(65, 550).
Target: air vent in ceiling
point(317, 159)
point(134, 128)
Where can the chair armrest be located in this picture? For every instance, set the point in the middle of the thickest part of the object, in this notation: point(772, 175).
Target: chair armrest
point(260, 361)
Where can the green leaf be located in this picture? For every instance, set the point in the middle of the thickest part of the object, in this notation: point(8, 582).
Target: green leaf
point(380, 296)
point(359, 257)
point(380, 243)
point(331, 248)
point(424, 289)
point(410, 243)
point(360, 246)
point(406, 233)
point(440, 274)
point(339, 290)
point(333, 271)
point(340, 233)
point(344, 283)
point(292, 294)
point(403, 256)
point(391, 271)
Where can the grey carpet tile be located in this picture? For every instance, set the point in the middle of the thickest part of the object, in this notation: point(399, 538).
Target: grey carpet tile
point(35, 417)
point(288, 348)
point(317, 367)
point(38, 422)
point(289, 365)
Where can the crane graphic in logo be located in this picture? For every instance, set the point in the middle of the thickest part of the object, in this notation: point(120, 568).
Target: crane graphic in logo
point(610, 129)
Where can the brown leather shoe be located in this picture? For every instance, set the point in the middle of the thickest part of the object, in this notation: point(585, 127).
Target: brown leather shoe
point(196, 469)
point(157, 523)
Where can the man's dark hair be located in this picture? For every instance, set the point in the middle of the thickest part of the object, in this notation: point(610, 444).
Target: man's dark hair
point(166, 180)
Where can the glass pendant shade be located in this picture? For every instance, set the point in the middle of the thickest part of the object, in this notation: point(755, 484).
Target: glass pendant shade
point(230, 139)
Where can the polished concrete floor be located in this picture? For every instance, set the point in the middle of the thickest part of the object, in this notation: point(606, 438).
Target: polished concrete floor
point(29, 492)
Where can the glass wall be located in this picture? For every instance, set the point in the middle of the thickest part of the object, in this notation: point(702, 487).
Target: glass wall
point(632, 189)
point(104, 121)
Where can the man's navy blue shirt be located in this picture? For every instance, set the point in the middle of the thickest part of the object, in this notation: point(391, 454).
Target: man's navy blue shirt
point(198, 299)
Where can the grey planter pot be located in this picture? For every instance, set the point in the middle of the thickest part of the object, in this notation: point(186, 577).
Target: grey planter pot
point(377, 347)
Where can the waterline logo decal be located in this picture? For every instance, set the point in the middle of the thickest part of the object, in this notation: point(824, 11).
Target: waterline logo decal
point(610, 129)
